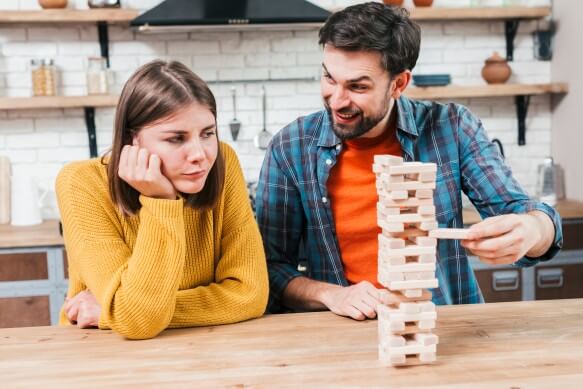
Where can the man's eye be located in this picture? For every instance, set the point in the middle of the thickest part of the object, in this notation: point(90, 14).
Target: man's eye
point(359, 87)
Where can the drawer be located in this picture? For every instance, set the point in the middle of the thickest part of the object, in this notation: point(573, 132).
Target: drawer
point(23, 267)
point(559, 282)
point(499, 285)
point(25, 311)
point(572, 235)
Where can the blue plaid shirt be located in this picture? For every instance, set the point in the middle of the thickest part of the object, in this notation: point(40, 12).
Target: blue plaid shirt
point(297, 224)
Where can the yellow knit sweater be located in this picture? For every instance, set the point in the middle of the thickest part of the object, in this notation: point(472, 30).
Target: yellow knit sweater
point(167, 266)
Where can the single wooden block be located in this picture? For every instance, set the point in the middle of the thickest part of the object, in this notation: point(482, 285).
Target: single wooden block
point(423, 240)
point(398, 260)
point(385, 210)
point(400, 194)
point(421, 275)
point(409, 218)
point(377, 169)
point(384, 179)
point(386, 243)
point(390, 340)
point(424, 295)
point(409, 251)
point(426, 210)
point(405, 203)
point(450, 233)
point(426, 306)
point(391, 227)
point(408, 185)
point(413, 167)
point(428, 357)
point(388, 314)
point(423, 338)
point(426, 324)
point(424, 194)
point(406, 267)
point(387, 160)
point(427, 226)
point(408, 232)
point(418, 284)
point(387, 359)
point(385, 277)
point(412, 293)
point(427, 177)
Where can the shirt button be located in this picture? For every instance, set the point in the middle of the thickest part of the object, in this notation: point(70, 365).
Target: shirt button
point(328, 162)
point(324, 199)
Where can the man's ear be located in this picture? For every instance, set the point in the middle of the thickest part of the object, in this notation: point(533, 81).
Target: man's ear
point(401, 80)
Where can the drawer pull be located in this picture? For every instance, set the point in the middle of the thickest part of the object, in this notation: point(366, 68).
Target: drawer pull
point(505, 280)
point(550, 278)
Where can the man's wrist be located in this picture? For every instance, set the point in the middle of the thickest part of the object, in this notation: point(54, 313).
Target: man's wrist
point(543, 232)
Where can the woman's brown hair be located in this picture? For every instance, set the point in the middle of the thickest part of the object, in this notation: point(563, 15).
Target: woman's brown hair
point(156, 91)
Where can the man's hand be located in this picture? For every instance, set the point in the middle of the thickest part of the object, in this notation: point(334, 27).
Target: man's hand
point(504, 239)
point(358, 301)
point(83, 310)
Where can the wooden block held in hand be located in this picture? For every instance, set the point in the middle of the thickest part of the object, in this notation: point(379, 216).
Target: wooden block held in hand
point(387, 160)
point(450, 233)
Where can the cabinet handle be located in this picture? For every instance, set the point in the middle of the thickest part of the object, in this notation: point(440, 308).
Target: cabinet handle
point(550, 278)
point(505, 280)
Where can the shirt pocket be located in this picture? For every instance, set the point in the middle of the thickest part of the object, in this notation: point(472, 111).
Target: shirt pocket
point(447, 197)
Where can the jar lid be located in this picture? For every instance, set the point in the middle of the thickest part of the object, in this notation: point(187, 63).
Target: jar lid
point(495, 58)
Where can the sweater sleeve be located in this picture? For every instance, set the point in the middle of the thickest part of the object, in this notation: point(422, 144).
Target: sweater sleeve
point(135, 286)
point(240, 289)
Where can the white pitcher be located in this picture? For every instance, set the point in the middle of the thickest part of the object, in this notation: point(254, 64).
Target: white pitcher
point(27, 201)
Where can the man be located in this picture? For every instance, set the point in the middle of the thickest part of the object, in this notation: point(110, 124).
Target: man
point(317, 194)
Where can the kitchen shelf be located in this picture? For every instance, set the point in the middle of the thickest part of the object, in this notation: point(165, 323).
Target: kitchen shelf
point(478, 13)
point(498, 90)
point(112, 16)
point(43, 102)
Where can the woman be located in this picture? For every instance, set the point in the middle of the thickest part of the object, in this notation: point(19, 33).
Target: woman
point(159, 232)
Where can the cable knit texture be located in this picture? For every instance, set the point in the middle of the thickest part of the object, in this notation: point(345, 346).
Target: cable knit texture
point(169, 265)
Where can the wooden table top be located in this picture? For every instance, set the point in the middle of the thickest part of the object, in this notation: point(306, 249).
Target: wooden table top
point(45, 234)
point(536, 344)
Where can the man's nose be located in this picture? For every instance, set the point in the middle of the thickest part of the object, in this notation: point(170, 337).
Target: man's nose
point(339, 99)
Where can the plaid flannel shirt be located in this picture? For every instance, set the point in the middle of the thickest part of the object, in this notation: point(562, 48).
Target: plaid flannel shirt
point(297, 224)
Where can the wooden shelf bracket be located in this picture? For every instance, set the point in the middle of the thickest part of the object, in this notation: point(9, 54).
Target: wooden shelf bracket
point(90, 123)
point(522, 103)
point(510, 29)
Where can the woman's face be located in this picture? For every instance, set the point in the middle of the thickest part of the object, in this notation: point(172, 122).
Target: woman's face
point(187, 145)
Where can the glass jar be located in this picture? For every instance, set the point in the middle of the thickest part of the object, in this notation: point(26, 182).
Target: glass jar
point(44, 77)
point(97, 76)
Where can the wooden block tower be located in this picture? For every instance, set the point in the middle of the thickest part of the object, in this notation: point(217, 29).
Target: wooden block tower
point(407, 258)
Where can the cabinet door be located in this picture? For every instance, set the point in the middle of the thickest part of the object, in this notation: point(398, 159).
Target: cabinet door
point(500, 285)
point(23, 267)
point(25, 311)
point(559, 282)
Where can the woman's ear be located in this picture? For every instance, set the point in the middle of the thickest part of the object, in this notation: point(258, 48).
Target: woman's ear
point(135, 141)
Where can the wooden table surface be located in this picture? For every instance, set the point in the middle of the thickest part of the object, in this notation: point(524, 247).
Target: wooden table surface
point(535, 344)
point(45, 234)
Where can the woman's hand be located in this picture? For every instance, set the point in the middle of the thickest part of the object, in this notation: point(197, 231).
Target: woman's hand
point(143, 172)
point(83, 310)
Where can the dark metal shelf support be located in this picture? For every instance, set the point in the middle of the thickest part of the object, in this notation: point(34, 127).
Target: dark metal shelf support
point(90, 123)
point(510, 29)
point(522, 103)
point(103, 40)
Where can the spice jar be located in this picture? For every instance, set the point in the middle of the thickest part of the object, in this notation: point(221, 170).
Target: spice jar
point(97, 76)
point(44, 77)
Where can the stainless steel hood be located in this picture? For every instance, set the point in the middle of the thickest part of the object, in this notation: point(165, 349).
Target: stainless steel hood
point(188, 15)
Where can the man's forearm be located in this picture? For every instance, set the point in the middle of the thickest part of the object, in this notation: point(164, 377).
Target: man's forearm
point(547, 233)
point(307, 294)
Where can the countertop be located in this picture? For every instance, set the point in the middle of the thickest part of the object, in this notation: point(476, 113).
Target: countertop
point(536, 344)
point(42, 235)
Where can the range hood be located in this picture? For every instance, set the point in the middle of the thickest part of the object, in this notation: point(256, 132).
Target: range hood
point(189, 15)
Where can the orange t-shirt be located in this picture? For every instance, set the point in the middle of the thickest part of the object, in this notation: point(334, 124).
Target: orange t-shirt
point(353, 198)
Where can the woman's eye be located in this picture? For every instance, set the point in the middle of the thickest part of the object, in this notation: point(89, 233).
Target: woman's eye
point(208, 134)
point(176, 139)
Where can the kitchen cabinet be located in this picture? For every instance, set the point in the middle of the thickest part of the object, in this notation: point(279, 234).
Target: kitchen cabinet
point(33, 280)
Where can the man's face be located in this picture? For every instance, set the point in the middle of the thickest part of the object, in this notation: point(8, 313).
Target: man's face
point(357, 92)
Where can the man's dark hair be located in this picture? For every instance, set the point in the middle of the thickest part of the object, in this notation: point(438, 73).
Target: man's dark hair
point(375, 27)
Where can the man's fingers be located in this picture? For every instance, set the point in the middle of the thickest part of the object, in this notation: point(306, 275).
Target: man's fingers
point(494, 226)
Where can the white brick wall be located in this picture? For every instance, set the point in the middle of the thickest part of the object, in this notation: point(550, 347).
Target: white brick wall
point(39, 142)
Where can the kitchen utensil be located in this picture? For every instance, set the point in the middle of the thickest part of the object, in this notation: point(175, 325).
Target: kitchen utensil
point(4, 190)
point(234, 124)
point(26, 201)
point(104, 3)
point(550, 183)
point(496, 70)
point(263, 137)
point(498, 143)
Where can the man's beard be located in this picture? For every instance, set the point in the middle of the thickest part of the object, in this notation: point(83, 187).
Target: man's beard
point(363, 123)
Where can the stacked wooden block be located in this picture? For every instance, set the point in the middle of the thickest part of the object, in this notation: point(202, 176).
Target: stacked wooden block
point(407, 258)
